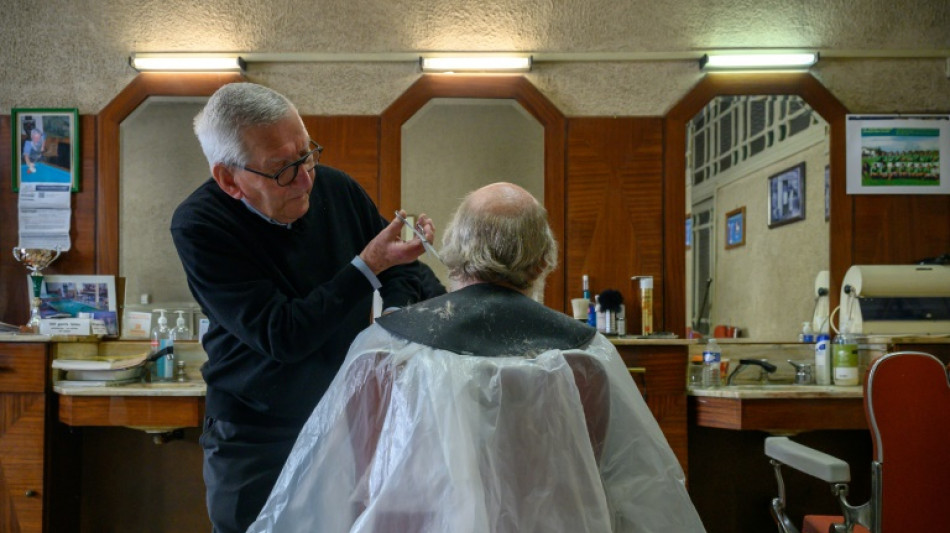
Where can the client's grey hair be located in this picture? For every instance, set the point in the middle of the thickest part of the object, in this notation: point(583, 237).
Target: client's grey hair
point(220, 125)
point(499, 234)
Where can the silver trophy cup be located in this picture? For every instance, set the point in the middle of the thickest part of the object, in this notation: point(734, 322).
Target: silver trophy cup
point(35, 260)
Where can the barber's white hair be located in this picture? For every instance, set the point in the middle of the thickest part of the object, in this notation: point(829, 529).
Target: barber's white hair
point(514, 246)
point(229, 112)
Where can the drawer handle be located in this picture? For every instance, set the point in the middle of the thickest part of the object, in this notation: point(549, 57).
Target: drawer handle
point(29, 493)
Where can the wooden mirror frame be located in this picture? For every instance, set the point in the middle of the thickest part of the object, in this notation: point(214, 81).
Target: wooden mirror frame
point(822, 101)
point(479, 86)
point(107, 125)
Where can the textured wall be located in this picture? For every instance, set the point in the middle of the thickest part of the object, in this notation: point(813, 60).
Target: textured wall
point(74, 53)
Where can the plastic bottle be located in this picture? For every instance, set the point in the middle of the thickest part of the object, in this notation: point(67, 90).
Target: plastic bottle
point(712, 358)
point(181, 332)
point(845, 357)
point(591, 309)
point(163, 369)
point(822, 360)
point(806, 335)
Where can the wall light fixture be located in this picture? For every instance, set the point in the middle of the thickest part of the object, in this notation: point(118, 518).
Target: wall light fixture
point(186, 62)
point(758, 61)
point(472, 63)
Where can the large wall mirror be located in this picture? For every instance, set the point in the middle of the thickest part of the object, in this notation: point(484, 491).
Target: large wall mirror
point(140, 184)
point(752, 284)
point(757, 220)
point(160, 163)
point(455, 145)
point(510, 131)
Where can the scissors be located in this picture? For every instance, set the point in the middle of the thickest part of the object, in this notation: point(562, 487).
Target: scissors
point(418, 232)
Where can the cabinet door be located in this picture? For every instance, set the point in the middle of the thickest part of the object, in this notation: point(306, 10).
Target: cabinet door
point(22, 412)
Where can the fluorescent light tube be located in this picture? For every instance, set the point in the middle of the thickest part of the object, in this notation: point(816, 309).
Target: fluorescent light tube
point(186, 63)
point(476, 64)
point(764, 61)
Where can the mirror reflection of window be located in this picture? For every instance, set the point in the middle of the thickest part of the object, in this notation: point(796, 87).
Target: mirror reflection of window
point(452, 146)
point(733, 145)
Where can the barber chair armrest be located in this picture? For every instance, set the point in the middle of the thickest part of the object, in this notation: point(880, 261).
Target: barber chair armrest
point(808, 460)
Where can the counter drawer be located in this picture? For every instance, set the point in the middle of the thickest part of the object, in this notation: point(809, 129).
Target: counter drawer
point(23, 367)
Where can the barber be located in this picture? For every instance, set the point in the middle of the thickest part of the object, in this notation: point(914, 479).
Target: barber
point(283, 256)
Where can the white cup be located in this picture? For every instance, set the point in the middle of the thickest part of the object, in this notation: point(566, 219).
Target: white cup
point(580, 306)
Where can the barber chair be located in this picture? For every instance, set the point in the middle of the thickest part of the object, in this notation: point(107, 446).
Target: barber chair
point(907, 405)
point(516, 450)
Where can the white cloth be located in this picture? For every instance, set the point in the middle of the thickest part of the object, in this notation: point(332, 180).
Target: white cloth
point(475, 444)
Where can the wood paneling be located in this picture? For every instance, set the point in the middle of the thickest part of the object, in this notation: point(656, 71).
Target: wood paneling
point(664, 388)
point(615, 208)
point(351, 144)
point(22, 436)
point(480, 86)
point(779, 414)
point(132, 411)
point(900, 229)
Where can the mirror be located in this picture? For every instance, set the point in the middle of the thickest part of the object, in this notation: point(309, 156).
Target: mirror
point(455, 145)
point(152, 92)
point(161, 163)
point(840, 223)
point(480, 87)
point(756, 198)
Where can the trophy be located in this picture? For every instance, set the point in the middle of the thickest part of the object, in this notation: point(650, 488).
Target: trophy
point(35, 260)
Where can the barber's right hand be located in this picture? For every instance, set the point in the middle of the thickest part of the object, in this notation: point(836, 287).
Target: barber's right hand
point(388, 249)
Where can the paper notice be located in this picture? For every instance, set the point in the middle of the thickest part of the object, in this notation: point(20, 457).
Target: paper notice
point(44, 214)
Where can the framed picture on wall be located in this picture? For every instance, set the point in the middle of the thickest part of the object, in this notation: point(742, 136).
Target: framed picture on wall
point(894, 154)
point(67, 295)
point(45, 147)
point(735, 228)
point(787, 196)
point(689, 232)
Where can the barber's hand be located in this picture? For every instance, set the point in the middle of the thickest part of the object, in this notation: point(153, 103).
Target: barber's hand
point(388, 249)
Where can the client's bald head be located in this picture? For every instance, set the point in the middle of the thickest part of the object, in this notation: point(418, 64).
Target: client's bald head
point(499, 234)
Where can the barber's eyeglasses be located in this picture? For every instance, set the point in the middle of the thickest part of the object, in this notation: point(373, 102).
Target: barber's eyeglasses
point(288, 174)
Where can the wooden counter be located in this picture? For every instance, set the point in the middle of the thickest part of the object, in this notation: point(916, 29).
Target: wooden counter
point(779, 408)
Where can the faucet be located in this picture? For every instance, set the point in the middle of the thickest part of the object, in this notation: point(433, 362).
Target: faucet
point(745, 363)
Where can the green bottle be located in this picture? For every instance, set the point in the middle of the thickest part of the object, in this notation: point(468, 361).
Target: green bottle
point(845, 358)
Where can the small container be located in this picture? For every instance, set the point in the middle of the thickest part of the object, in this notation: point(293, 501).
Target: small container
point(845, 357)
point(822, 361)
point(806, 335)
point(694, 372)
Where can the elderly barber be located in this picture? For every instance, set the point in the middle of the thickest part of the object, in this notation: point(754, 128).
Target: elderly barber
point(483, 410)
point(283, 255)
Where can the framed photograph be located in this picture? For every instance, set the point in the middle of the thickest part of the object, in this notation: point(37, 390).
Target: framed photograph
point(67, 296)
point(735, 228)
point(45, 147)
point(689, 232)
point(787, 196)
point(893, 154)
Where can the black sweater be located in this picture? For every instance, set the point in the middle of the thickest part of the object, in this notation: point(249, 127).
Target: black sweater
point(283, 304)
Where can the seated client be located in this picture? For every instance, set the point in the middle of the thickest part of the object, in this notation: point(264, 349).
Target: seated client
point(482, 410)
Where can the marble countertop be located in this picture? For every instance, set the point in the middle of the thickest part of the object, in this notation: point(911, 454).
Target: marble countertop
point(750, 392)
point(172, 388)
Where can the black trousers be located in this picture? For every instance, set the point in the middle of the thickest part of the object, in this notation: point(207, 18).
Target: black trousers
point(241, 466)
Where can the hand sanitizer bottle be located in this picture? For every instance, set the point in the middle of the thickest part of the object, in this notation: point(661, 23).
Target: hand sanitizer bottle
point(181, 331)
point(163, 368)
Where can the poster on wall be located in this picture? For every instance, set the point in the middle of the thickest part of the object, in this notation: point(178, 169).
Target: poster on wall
point(897, 154)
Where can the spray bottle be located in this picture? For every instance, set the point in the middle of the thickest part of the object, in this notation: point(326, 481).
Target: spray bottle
point(591, 309)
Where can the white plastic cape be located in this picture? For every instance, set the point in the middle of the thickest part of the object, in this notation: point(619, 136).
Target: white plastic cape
point(413, 439)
